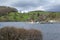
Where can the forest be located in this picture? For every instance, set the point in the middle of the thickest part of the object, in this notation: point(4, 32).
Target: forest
point(9, 14)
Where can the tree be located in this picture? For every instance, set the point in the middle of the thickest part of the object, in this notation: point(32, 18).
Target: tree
point(52, 15)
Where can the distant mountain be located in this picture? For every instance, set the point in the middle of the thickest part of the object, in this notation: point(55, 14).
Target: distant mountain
point(43, 11)
point(5, 10)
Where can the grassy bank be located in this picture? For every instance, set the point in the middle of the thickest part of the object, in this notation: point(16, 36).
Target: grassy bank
point(30, 16)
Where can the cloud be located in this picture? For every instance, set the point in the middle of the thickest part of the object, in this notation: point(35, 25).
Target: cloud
point(21, 4)
point(27, 5)
point(7, 2)
point(55, 8)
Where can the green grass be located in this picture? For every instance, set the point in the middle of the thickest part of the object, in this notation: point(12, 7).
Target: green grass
point(15, 16)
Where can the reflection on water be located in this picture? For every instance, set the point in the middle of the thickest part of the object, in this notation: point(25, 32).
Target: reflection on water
point(50, 31)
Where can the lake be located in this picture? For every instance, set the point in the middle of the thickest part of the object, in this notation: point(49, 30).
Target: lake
point(50, 31)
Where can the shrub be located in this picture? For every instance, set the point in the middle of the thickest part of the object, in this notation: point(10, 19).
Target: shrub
point(12, 33)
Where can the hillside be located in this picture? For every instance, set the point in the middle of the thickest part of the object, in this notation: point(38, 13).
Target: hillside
point(8, 15)
point(4, 10)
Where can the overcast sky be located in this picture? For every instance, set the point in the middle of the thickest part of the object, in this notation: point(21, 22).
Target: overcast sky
point(28, 5)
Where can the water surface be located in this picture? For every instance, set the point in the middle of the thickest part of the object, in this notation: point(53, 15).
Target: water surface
point(50, 31)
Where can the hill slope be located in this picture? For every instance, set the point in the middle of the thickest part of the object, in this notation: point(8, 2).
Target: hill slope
point(8, 14)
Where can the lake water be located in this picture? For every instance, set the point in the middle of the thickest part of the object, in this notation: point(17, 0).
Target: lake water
point(50, 31)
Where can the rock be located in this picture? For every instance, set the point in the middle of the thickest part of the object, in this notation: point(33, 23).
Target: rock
point(12, 33)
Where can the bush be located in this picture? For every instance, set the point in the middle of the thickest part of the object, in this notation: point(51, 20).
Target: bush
point(12, 33)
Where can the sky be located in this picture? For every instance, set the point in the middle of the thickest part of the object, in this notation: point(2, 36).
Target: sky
point(31, 5)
